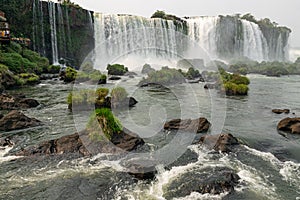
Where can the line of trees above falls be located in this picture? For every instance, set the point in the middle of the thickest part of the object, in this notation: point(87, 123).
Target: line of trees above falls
point(67, 33)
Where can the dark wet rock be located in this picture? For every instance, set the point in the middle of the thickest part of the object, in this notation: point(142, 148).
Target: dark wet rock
point(67, 144)
point(81, 144)
point(127, 140)
point(102, 81)
point(15, 120)
point(1, 115)
point(210, 86)
point(192, 125)
point(289, 125)
point(6, 142)
point(9, 102)
point(114, 78)
point(222, 142)
point(186, 158)
point(142, 172)
point(49, 76)
point(209, 180)
point(7, 80)
point(281, 111)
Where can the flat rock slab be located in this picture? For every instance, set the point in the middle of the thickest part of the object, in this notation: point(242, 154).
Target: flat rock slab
point(15, 120)
point(281, 111)
point(199, 125)
point(9, 102)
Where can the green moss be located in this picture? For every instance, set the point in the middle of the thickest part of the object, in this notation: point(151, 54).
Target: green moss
point(165, 76)
point(235, 89)
point(53, 69)
point(28, 78)
point(108, 123)
point(70, 74)
point(87, 96)
point(116, 69)
point(118, 94)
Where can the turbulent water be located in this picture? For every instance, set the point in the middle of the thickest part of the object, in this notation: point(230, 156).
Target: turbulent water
point(269, 168)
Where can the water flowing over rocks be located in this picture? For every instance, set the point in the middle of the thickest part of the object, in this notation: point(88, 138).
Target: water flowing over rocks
point(289, 125)
point(209, 180)
point(15, 120)
point(191, 125)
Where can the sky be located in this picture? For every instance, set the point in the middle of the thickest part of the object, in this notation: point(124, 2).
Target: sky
point(284, 12)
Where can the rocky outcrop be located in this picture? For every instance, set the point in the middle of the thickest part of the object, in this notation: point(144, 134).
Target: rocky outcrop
point(7, 80)
point(209, 180)
point(191, 125)
point(281, 111)
point(223, 142)
point(80, 143)
point(17, 120)
point(8, 102)
point(289, 125)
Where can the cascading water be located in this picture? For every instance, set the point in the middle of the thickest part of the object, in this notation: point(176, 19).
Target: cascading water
point(255, 45)
point(61, 32)
point(120, 35)
point(203, 31)
point(52, 18)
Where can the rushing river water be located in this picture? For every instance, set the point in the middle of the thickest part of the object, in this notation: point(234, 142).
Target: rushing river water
point(268, 166)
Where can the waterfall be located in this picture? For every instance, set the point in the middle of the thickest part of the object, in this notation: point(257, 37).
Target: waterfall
point(255, 45)
point(203, 31)
point(117, 36)
point(52, 18)
point(61, 31)
point(43, 51)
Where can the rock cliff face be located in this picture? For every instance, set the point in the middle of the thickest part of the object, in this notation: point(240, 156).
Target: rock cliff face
point(56, 31)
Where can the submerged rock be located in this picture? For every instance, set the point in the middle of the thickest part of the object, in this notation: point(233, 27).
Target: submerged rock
point(280, 111)
point(209, 180)
point(191, 125)
point(9, 102)
point(17, 120)
point(290, 125)
point(222, 142)
point(114, 78)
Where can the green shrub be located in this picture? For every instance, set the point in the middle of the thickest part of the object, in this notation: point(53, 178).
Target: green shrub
point(53, 69)
point(87, 96)
point(118, 94)
point(147, 69)
point(29, 78)
point(41, 62)
point(165, 76)
point(3, 68)
point(108, 123)
point(116, 69)
point(70, 74)
point(235, 89)
point(13, 61)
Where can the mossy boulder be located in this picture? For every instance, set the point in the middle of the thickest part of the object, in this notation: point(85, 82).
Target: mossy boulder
point(165, 76)
point(116, 69)
point(147, 69)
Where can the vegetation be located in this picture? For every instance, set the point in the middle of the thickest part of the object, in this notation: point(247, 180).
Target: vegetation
point(178, 22)
point(191, 73)
point(165, 76)
point(53, 69)
point(22, 60)
point(234, 84)
point(116, 69)
point(147, 69)
point(118, 94)
point(108, 123)
point(266, 68)
point(28, 78)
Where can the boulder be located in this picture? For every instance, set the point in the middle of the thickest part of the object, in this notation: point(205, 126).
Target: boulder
point(212, 180)
point(9, 102)
point(222, 142)
point(6, 142)
point(67, 144)
point(114, 78)
point(290, 125)
point(17, 120)
point(127, 140)
point(191, 125)
point(76, 142)
point(209, 86)
point(280, 111)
